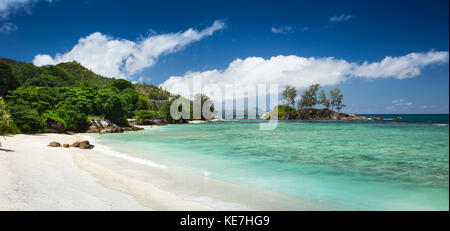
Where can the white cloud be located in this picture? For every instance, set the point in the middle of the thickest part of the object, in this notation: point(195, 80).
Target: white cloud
point(401, 102)
point(341, 18)
point(281, 30)
point(8, 27)
point(120, 57)
point(6, 6)
point(400, 67)
point(301, 72)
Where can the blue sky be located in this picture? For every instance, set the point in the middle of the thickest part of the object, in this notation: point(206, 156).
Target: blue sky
point(223, 32)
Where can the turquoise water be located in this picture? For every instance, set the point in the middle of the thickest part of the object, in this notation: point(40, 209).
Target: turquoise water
point(346, 165)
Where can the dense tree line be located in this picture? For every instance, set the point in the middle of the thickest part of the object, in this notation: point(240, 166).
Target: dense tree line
point(311, 98)
point(71, 94)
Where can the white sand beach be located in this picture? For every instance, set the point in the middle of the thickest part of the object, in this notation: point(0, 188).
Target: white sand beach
point(34, 176)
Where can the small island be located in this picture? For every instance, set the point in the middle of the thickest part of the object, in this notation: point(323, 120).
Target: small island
point(311, 98)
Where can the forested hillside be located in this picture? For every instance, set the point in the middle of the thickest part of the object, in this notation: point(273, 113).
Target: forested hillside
point(71, 94)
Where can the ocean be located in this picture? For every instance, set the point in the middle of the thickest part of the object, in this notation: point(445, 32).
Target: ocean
point(338, 165)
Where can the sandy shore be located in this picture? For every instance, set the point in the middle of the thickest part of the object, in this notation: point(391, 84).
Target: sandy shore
point(36, 177)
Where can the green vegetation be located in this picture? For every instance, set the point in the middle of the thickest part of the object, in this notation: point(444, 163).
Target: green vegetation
point(148, 115)
point(289, 94)
point(72, 95)
point(283, 111)
point(108, 102)
point(84, 76)
point(31, 106)
point(323, 99)
point(122, 84)
point(336, 99)
point(7, 80)
point(151, 91)
point(309, 97)
point(164, 112)
point(308, 100)
point(5, 117)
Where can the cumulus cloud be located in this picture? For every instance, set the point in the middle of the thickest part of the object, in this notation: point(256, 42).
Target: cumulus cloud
point(8, 27)
point(341, 18)
point(114, 57)
point(281, 30)
point(301, 72)
point(400, 67)
point(7, 6)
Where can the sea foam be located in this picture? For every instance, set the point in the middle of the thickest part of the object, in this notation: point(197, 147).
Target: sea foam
point(110, 152)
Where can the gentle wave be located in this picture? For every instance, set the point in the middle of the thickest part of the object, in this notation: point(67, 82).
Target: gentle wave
point(203, 200)
point(109, 151)
point(205, 173)
point(442, 125)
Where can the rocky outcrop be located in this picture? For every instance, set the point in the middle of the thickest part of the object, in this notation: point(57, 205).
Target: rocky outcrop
point(397, 118)
point(344, 116)
point(54, 144)
point(289, 113)
point(86, 146)
point(54, 126)
point(78, 144)
point(376, 118)
point(105, 126)
point(97, 125)
point(82, 144)
point(326, 114)
point(287, 116)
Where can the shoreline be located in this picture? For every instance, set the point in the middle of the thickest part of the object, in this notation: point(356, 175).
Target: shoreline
point(168, 146)
point(36, 177)
point(197, 187)
point(114, 176)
